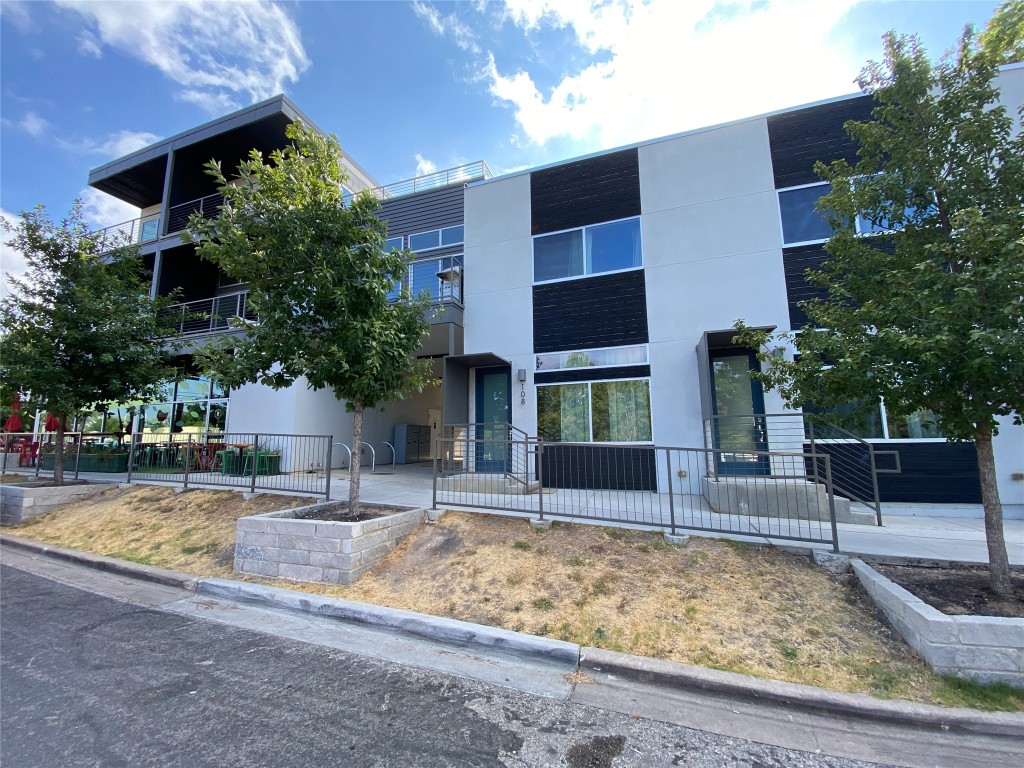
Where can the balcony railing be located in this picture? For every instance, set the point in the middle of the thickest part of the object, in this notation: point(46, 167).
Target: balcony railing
point(206, 316)
point(436, 180)
point(440, 278)
point(141, 230)
point(207, 206)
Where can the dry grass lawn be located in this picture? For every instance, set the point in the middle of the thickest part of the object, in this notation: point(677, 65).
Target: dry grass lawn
point(715, 603)
point(192, 531)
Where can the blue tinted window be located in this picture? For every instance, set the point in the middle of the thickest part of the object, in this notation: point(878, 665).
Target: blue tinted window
point(392, 244)
point(801, 222)
point(424, 278)
point(613, 246)
point(452, 235)
point(424, 240)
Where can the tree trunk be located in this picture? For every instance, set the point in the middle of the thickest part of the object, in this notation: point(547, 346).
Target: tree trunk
point(354, 467)
point(998, 563)
point(58, 454)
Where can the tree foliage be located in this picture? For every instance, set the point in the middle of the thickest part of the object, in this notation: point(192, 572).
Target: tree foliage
point(929, 312)
point(319, 279)
point(80, 329)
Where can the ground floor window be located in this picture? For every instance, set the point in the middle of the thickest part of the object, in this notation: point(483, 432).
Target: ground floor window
point(616, 411)
point(878, 424)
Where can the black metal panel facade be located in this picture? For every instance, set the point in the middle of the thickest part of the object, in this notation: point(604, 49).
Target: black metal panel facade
point(592, 374)
point(932, 472)
point(585, 192)
point(592, 312)
point(424, 211)
point(799, 139)
point(796, 262)
point(613, 467)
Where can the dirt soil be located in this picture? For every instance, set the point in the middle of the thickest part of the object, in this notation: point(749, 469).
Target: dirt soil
point(339, 513)
point(958, 591)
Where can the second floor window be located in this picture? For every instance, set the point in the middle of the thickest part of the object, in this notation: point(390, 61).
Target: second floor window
point(609, 247)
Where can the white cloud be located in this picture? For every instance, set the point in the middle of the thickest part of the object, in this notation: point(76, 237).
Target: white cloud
point(221, 54)
point(114, 145)
point(31, 123)
point(102, 210)
point(88, 45)
point(665, 66)
point(17, 14)
point(12, 261)
point(451, 25)
point(424, 166)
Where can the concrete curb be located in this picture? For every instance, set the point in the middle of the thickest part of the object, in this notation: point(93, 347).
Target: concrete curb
point(450, 631)
point(99, 562)
point(804, 697)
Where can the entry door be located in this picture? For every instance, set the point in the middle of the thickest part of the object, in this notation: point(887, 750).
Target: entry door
point(493, 413)
point(738, 403)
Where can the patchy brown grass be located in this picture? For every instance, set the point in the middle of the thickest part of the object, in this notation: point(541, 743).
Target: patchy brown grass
point(14, 478)
point(715, 603)
point(192, 531)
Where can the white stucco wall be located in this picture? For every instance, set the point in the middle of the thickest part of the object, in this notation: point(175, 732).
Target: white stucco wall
point(499, 284)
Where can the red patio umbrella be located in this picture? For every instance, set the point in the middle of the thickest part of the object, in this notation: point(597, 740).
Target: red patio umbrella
point(52, 422)
point(13, 423)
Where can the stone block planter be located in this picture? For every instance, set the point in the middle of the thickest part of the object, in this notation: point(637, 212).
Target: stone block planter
point(20, 502)
point(286, 545)
point(985, 649)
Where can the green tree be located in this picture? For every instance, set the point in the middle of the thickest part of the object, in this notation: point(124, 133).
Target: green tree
point(319, 280)
point(929, 312)
point(80, 328)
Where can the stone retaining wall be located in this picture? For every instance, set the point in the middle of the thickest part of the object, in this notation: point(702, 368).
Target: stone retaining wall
point(277, 545)
point(986, 649)
point(20, 502)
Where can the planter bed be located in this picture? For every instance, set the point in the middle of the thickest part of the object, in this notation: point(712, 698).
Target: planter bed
point(295, 545)
point(985, 649)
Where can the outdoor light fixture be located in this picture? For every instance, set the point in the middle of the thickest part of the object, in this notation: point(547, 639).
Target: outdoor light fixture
point(522, 374)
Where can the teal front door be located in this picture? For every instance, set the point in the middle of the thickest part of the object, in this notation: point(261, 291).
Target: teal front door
point(740, 430)
point(493, 414)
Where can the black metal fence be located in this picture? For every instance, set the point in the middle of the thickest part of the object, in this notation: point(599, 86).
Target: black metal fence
point(247, 460)
point(670, 488)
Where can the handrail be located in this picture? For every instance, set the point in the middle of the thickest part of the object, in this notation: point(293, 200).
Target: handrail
point(213, 315)
point(178, 215)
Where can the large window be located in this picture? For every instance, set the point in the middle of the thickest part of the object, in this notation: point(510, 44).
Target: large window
point(609, 247)
point(436, 238)
point(877, 424)
point(600, 411)
point(803, 224)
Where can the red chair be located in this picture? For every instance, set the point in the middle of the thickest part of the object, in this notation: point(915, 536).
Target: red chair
point(29, 453)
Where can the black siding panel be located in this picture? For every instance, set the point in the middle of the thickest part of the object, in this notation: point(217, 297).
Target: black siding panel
point(933, 472)
point(585, 192)
point(592, 374)
point(599, 467)
point(801, 138)
point(602, 311)
point(424, 211)
point(795, 263)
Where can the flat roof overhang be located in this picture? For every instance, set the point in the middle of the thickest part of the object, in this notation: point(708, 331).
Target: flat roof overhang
point(138, 178)
point(479, 360)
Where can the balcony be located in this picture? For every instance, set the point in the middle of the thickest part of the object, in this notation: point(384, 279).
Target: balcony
point(207, 316)
point(144, 229)
point(440, 278)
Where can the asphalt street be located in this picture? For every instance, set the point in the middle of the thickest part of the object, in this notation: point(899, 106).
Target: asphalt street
point(86, 680)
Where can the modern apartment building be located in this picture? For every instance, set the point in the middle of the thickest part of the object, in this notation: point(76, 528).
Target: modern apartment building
point(591, 300)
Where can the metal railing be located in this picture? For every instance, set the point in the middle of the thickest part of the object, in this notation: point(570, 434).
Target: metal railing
point(645, 485)
point(178, 215)
point(214, 315)
point(436, 180)
point(35, 454)
point(440, 278)
point(853, 459)
point(143, 229)
point(247, 460)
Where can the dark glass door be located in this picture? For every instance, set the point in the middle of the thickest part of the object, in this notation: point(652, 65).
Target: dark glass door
point(738, 402)
point(493, 414)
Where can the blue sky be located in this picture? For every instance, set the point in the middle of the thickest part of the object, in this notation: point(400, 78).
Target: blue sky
point(410, 87)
